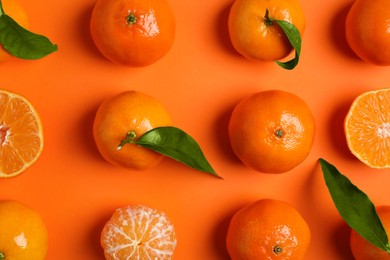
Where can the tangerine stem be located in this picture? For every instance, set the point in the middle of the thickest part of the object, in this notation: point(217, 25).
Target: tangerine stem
point(279, 133)
point(268, 21)
point(128, 140)
point(278, 249)
point(2, 256)
point(131, 19)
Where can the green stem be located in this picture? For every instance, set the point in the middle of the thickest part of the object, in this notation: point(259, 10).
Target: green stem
point(278, 249)
point(279, 133)
point(268, 21)
point(128, 140)
point(131, 19)
point(2, 256)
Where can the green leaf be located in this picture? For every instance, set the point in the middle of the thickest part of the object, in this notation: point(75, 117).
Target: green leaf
point(355, 207)
point(20, 42)
point(294, 37)
point(174, 143)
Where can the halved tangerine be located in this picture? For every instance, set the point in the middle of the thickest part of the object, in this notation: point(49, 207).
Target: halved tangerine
point(367, 128)
point(21, 134)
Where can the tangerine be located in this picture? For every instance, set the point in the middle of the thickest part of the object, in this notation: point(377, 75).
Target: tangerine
point(23, 232)
point(368, 122)
point(13, 9)
point(135, 33)
point(21, 134)
point(271, 131)
point(253, 32)
point(130, 112)
point(138, 232)
point(268, 229)
point(364, 250)
point(367, 30)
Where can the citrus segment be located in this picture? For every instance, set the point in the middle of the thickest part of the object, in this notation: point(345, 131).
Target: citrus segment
point(268, 229)
point(21, 135)
point(138, 232)
point(367, 128)
point(23, 232)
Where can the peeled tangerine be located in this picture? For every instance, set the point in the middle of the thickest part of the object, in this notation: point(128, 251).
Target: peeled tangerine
point(138, 232)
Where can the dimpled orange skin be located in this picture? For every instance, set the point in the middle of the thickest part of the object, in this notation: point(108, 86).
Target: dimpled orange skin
point(367, 30)
point(139, 44)
point(13, 9)
point(363, 250)
point(256, 122)
point(23, 232)
point(128, 111)
point(253, 38)
point(268, 229)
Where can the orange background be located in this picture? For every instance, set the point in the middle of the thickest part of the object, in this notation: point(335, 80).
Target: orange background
point(199, 81)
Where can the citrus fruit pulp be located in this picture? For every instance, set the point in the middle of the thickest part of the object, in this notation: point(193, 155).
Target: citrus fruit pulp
point(135, 33)
point(21, 135)
point(129, 111)
point(271, 131)
point(138, 232)
point(367, 128)
point(268, 229)
point(23, 232)
point(367, 30)
point(258, 38)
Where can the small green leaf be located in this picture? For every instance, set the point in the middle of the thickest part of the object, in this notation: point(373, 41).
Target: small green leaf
point(355, 207)
point(20, 42)
point(294, 37)
point(176, 144)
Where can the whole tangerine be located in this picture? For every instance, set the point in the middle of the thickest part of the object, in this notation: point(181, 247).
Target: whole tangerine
point(364, 250)
point(253, 32)
point(23, 232)
point(128, 112)
point(135, 33)
point(14, 10)
point(367, 30)
point(271, 131)
point(268, 229)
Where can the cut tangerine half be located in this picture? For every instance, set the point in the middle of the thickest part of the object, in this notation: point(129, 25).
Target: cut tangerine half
point(367, 128)
point(138, 232)
point(21, 135)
